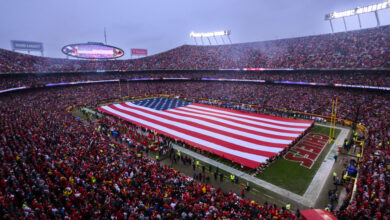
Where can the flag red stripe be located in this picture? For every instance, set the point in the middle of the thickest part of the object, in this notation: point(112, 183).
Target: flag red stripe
point(198, 135)
point(232, 126)
point(258, 115)
point(222, 114)
point(237, 121)
point(216, 130)
point(207, 128)
point(241, 160)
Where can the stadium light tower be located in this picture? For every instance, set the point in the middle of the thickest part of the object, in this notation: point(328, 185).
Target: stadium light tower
point(357, 11)
point(208, 35)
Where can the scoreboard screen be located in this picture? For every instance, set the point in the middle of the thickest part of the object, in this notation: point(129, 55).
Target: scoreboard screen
point(92, 51)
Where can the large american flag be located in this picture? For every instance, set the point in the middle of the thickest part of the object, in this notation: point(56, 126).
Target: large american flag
point(246, 138)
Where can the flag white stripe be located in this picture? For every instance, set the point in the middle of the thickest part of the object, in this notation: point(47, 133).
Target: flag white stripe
point(212, 125)
point(252, 117)
point(245, 120)
point(235, 124)
point(210, 133)
point(241, 154)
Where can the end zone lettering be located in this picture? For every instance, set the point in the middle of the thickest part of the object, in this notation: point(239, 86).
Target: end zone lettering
point(308, 149)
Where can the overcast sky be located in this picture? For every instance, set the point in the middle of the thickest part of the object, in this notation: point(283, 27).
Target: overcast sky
point(160, 25)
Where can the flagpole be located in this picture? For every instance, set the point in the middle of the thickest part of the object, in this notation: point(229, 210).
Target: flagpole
point(128, 93)
point(331, 122)
point(334, 120)
point(120, 90)
point(105, 35)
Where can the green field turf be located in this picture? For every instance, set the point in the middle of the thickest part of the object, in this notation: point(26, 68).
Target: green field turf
point(291, 175)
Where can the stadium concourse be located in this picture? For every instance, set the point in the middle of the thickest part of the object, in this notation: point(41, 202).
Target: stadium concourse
point(56, 165)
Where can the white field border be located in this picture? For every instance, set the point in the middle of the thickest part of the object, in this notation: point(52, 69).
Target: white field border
point(313, 191)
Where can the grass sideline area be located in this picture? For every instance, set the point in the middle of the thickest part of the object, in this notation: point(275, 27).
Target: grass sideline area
point(220, 159)
point(291, 175)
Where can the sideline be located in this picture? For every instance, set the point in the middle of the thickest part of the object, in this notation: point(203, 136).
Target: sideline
point(282, 192)
point(314, 189)
point(318, 181)
point(91, 111)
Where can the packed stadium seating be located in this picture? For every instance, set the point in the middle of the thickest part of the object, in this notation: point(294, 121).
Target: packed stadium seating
point(53, 165)
point(366, 48)
point(349, 78)
point(47, 149)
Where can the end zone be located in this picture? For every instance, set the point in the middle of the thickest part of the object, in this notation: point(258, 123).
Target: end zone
point(308, 149)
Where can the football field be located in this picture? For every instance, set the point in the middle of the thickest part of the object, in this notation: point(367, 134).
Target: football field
point(294, 175)
point(288, 177)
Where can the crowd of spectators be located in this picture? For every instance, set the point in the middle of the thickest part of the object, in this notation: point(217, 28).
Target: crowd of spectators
point(368, 48)
point(55, 166)
point(349, 78)
point(52, 165)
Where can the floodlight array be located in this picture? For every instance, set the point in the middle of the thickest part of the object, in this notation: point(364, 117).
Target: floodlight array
point(210, 34)
point(358, 10)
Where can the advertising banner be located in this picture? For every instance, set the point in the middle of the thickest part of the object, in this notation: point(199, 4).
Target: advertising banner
point(26, 45)
point(139, 52)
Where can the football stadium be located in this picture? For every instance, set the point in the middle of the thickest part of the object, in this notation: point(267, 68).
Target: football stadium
point(291, 128)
